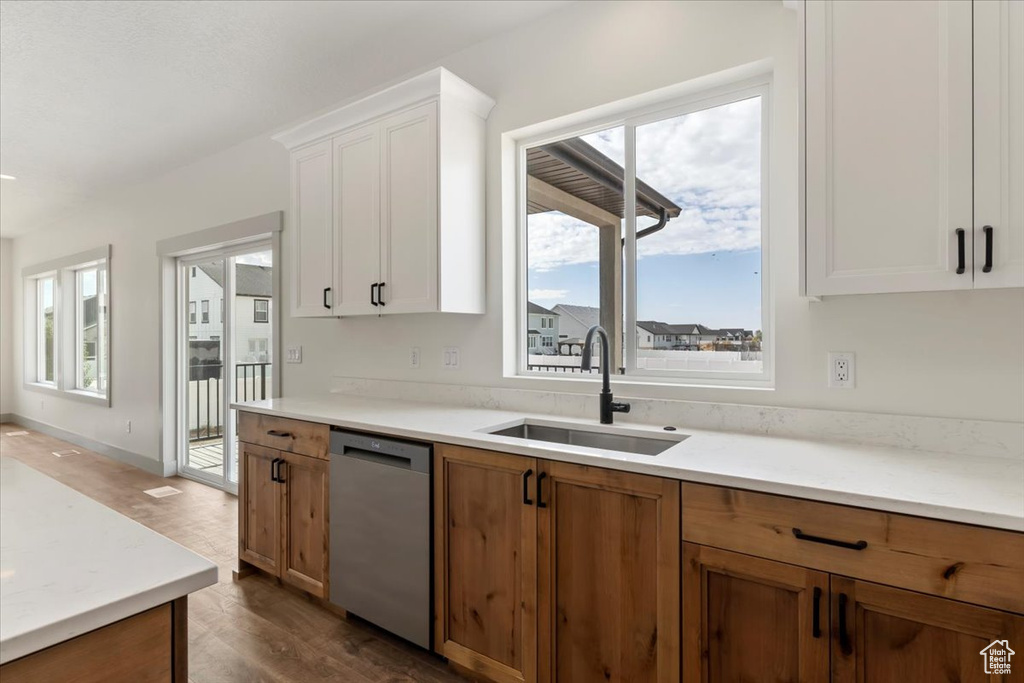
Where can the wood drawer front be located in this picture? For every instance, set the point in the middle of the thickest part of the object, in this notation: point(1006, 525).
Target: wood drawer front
point(291, 436)
point(133, 650)
point(968, 563)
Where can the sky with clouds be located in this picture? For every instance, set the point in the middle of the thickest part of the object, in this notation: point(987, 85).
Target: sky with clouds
point(704, 266)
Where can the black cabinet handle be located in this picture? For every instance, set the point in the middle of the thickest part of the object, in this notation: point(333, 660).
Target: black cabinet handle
point(816, 621)
point(380, 293)
point(526, 487)
point(326, 291)
point(961, 250)
point(280, 479)
point(373, 293)
point(540, 497)
point(987, 268)
point(279, 433)
point(844, 633)
point(273, 469)
point(859, 545)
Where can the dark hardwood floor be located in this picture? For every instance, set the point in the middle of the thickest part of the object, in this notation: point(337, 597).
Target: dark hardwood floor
point(251, 630)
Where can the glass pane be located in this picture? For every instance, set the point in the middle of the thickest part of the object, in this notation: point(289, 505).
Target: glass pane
point(573, 247)
point(205, 282)
point(87, 332)
point(46, 330)
point(699, 273)
point(252, 334)
point(103, 330)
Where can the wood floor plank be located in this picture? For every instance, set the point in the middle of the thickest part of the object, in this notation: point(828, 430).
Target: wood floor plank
point(252, 630)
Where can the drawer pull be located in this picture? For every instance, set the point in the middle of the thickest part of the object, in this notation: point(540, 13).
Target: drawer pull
point(859, 545)
point(276, 432)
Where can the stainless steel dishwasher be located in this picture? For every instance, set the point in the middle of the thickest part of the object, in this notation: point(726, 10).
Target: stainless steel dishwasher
point(380, 532)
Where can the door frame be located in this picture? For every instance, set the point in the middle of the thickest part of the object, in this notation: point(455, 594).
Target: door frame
point(241, 233)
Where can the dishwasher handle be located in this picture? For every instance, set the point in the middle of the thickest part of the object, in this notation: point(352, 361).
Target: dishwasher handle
point(379, 458)
point(406, 455)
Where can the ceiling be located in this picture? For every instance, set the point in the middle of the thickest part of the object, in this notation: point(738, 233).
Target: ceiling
point(98, 94)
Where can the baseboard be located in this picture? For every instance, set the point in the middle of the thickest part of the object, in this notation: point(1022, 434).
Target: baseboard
point(113, 452)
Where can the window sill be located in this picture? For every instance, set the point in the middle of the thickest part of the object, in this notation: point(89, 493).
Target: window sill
point(73, 394)
point(631, 382)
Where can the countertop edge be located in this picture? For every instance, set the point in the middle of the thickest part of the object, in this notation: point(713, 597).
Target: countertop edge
point(38, 639)
point(908, 507)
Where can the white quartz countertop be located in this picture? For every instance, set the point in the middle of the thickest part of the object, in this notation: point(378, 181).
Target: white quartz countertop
point(69, 565)
point(982, 490)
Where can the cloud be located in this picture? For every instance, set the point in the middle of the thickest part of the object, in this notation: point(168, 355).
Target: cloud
point(708, 162)
point(547, 294)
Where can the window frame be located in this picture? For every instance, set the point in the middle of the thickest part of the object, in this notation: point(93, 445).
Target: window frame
point(66, 334)
point(192, 313)
point(204, 311)
point(256, 311)
point(704, 93)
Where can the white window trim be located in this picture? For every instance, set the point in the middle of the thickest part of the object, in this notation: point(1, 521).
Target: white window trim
point(751, 80)
point(64, 271)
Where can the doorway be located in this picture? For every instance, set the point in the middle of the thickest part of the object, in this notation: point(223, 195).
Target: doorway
point(225, 353)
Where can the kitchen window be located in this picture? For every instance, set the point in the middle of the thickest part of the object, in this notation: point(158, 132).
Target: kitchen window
point(677, 277)
point(261, 310)
point(66, 350)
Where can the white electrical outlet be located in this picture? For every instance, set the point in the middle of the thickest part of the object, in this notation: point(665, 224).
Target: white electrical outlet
point(293, 354)
point(841, 371)
point(128, 427)
point(450, 358)
point(414, 357)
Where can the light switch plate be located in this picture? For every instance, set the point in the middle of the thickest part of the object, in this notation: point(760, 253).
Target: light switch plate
point(293, 354)
point(414, 357)
point(450, 358)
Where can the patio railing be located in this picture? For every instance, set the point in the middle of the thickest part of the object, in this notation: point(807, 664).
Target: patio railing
point(206, 391)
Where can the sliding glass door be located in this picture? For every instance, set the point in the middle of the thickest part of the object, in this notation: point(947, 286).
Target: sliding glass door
point(225, 351)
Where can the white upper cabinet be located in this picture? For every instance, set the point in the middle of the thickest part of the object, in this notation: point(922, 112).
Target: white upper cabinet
point(999, 143)
point(912, 145)
point(404, 212)
point(313, 246)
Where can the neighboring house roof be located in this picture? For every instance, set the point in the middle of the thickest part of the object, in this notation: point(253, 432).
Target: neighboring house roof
point(249, 280)
point(534, 309)
point(656, 327)
point(588, 316)
point(735, 332)
point(534, 332)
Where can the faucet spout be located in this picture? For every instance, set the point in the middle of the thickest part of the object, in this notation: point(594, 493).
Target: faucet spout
point(586, 363)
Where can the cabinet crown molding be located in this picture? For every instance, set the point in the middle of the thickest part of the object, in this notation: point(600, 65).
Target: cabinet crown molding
point(438, 83)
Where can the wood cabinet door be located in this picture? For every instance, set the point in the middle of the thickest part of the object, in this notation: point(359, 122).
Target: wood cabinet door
point(888, 146)
point(999, 143)
point(485, 539)
point(409, 228)
point(357, 220)
point(750, 619)
point(608, 575)
point(259, 513)
point(312, 227)
point(889, 635)
point(304, 503)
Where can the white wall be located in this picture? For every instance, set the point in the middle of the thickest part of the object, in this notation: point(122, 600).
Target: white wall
point(953, 354)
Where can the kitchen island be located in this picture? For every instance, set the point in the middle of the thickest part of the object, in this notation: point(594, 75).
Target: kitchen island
point(86, 593)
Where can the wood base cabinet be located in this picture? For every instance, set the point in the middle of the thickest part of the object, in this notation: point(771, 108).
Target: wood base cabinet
point(555, 572)
point(751, 619)
point(282, 520)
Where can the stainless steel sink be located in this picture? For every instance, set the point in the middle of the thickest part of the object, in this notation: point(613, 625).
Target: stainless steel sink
point(622, 441)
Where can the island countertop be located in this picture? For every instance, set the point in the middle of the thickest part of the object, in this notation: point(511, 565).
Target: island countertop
point(70, 565)
point(981, 490)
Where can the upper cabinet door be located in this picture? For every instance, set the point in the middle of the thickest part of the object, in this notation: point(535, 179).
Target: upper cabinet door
point(888, 124)
point(312, 229)
point(357, 214)
point(408, 245)
point(999, 143)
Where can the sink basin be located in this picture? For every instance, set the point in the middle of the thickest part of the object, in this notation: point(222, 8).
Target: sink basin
point(639, 443)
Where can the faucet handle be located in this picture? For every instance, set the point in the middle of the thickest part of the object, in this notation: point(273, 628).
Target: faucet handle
point(620, 407)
